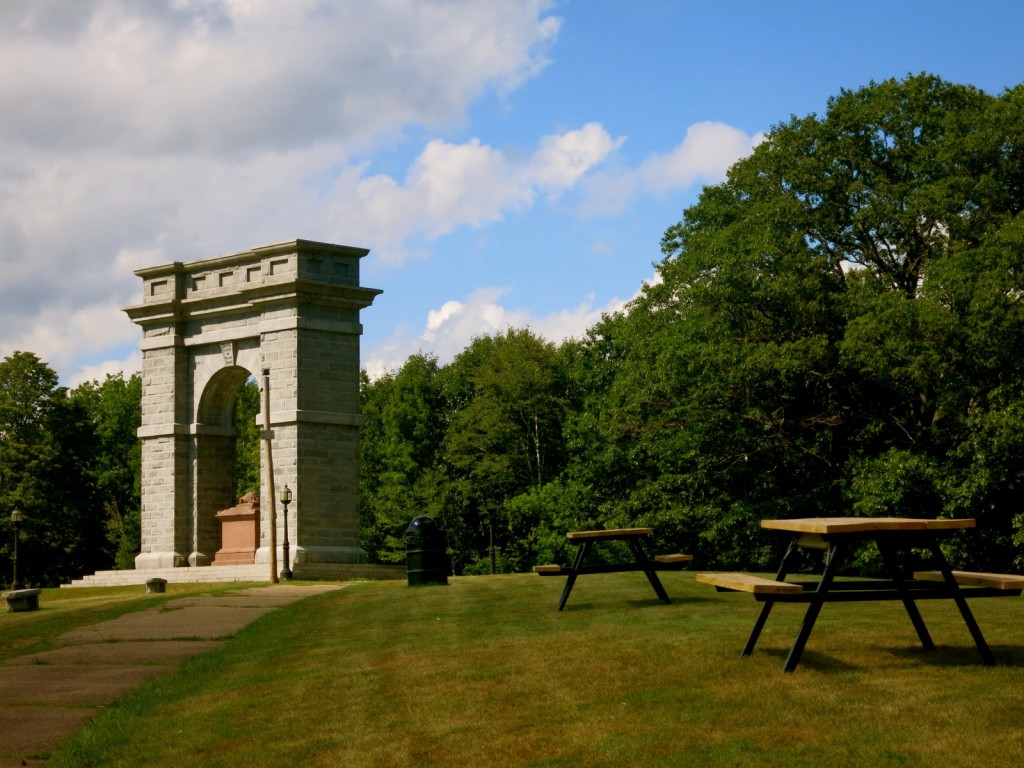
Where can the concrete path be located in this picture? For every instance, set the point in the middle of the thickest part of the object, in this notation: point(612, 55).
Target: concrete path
point(46, 697)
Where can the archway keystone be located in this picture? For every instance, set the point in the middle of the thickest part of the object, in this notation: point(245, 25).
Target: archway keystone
point(292, 308)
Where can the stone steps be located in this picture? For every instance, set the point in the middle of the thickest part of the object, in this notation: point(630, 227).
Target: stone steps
point(242, 573)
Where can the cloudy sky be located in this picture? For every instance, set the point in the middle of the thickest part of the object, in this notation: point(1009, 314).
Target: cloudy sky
point(507, 162)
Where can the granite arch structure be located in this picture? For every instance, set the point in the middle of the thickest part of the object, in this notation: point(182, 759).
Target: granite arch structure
point(291, 309)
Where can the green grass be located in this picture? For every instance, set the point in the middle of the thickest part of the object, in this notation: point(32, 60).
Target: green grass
point(486, 671)
point(61, 610)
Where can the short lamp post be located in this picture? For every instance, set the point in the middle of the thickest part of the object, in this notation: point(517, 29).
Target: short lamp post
point(16, 519)
point(286, 499)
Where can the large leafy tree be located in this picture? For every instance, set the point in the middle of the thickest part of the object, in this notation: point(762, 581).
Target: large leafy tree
point(476, 444)
point(507, 395)
point(403, 425)
point(115, 410)
point(837, 328)
point(509, 430)
point(48, 449)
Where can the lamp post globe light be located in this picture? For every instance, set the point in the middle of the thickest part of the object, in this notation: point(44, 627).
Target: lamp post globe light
point(16, 519)
point(285, 498)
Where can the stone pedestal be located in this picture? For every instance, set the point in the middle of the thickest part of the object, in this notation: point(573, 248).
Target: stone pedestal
point(22, 600)
point(239, 532)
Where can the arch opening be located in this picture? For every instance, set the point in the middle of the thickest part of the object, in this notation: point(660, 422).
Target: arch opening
point(227, 458)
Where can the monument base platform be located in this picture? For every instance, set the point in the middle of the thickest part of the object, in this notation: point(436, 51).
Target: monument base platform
point(243, 573)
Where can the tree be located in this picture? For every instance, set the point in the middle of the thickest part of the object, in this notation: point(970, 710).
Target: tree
point(48, 449)
point(837, 328)
point(403, 424)
point(460, 444)
point(508, 398)
point(115, 410)
point(247, 444)
point(811, 346)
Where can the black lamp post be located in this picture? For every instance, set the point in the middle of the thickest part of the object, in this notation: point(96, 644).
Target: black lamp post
point(16, 518)
point(286, 499)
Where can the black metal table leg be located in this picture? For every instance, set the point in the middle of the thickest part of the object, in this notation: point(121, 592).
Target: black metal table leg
point(755, 633)
point(581, 553)
point(648, 568)
point(987, 657)
point(766, 609)
point(889, 557)
point(832, 560)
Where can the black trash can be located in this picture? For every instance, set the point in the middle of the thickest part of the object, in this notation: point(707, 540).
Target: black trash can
point(425, 555)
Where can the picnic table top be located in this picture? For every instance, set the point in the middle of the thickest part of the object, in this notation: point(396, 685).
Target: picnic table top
point(612, 533)
point(833, 525)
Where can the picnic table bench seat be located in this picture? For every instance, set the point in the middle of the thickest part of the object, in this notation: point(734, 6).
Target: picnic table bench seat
point(744, 582)
point(551, 570)
point(672, 562)
point(974, 579)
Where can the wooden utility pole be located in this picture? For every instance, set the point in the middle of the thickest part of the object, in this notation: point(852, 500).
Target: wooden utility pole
point(268, 436)
point(492, 506)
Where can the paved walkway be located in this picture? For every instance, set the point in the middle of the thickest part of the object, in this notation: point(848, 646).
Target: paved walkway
point(46, 697)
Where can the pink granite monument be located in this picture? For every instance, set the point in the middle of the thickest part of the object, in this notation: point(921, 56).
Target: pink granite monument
point(239, 526)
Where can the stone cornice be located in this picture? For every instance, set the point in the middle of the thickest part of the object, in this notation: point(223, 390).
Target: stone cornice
point(299, 271)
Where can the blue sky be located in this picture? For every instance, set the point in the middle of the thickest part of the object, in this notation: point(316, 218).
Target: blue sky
point(507, 162)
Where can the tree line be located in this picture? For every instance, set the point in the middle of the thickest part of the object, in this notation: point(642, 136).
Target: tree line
point(838, 328)
point(835, 329)
point(69, 461)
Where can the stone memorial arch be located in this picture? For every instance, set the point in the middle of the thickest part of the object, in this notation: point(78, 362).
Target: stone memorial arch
point(290, 309)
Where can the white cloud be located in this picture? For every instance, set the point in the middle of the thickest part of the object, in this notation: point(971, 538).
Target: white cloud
point(87, 230)
point(449, 329)
point(61, 335)
point(235, 76)
point(437, 318)
point(704, 155)
point(456, 185)
point(562, 160)
point(99, 371)
point(137, 133)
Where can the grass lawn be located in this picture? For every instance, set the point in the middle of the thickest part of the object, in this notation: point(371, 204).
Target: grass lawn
point(486, 672)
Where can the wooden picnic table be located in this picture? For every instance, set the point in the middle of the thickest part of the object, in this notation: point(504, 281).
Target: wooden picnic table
point(633, 538)
point(896, 539)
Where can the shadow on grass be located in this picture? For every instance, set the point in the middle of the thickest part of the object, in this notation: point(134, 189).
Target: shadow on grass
point(612, 604)
point(677, 601)
point(962, 656)
point(577, 607)
point(635, 603)
point(814, 660)
point(940, 657)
